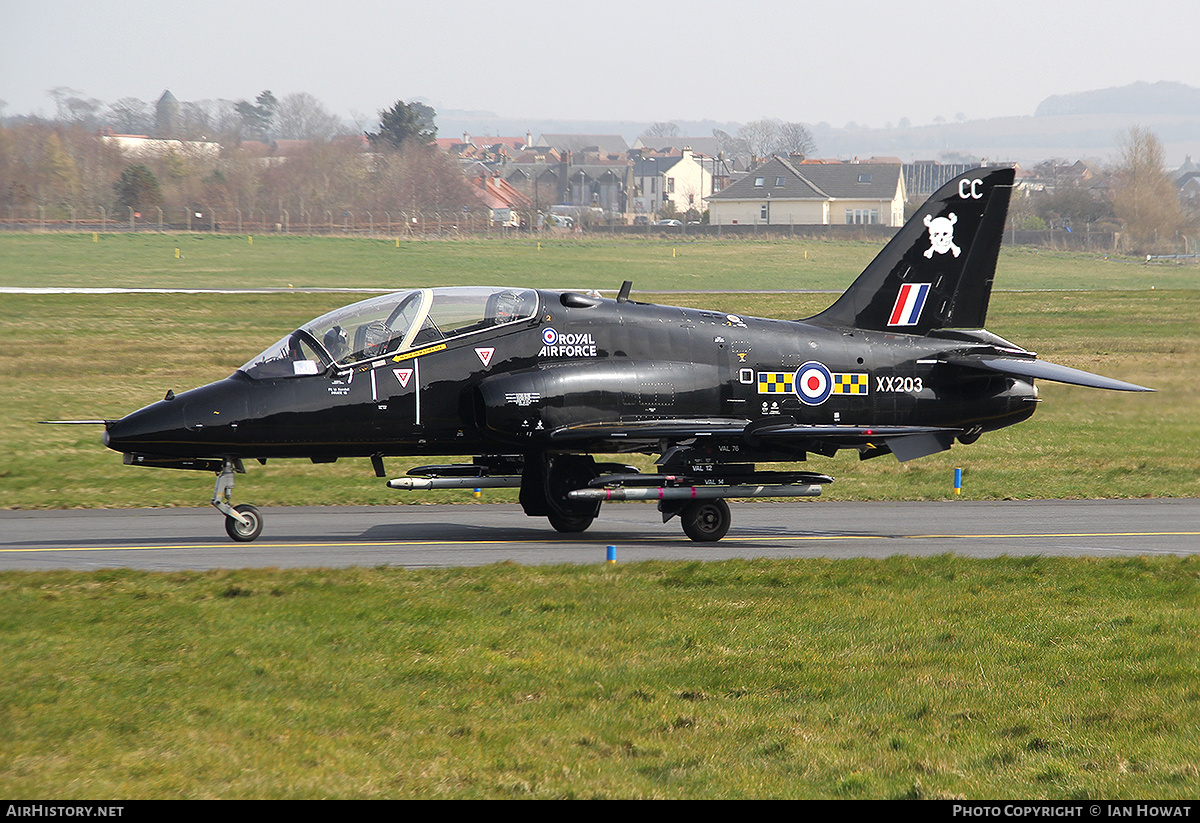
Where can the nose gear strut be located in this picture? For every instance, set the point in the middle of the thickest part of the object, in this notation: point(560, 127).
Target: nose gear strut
point(243, 523)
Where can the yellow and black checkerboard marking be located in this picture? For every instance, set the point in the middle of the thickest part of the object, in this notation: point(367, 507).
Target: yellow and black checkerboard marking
point(776, 382)
point(850, 384)
point(784, 382)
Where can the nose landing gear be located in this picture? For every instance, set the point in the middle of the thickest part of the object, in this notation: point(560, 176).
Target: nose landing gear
point(248, 527)
point(243, 523)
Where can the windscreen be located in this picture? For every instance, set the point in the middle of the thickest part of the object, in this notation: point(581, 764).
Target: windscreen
point(296, 355)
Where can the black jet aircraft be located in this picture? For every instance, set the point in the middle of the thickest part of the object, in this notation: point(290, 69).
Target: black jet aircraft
point(535, 383)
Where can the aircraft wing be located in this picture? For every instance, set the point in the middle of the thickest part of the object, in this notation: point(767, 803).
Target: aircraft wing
point(906, 442)
point(651, 430)
point(1041, 369)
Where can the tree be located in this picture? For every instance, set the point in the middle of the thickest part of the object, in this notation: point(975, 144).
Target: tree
point(766, 137)
point(402, 123)
point(129, 115)
point(258, 117)
point(1142, 195)
point(302, 117)
point(1071, 206)
point(662, 129)
point(58, 174)
point(759, 137)
point(731, 146)
point(795, 138)
point(137, 189)
point(72, 108)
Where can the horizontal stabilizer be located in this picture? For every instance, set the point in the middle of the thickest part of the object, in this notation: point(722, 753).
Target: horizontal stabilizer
point(1042, 370)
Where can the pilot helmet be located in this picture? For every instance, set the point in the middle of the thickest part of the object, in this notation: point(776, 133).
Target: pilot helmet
point(336, 342)
point(509, 305)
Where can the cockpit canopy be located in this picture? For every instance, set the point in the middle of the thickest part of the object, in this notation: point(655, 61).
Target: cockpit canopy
point(394, 323)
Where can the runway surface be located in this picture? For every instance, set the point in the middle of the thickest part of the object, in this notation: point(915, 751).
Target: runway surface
point(477, 534)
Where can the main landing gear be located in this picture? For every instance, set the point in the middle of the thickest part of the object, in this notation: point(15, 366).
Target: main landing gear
point(705, 521)
point(243, 523)
point(567, 489)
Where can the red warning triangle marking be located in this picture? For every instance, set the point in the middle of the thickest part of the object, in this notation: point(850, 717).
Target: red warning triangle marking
point(485, 355)
point(403, 375)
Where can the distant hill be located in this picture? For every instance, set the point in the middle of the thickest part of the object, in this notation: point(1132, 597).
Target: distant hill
point(1082, 125)
point(1024, 140)
point(1137, 99)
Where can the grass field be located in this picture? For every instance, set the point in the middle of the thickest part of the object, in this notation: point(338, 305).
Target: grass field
point(900, 678)
point(594, 262)
point(101, 356)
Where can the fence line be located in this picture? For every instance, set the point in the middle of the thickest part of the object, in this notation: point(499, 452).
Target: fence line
point(425, 225)
point(388, 224)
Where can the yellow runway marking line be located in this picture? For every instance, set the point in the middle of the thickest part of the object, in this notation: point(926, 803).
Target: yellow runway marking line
point(965, 536)
point(256, 546)
point(733, 539)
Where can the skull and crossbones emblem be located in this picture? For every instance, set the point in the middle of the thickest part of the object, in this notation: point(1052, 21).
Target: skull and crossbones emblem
point(941, 235)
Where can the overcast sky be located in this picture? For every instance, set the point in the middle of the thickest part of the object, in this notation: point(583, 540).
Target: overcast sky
point(872, 62)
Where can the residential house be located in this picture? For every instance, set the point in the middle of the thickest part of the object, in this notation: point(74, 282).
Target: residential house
point(1052, 175)
point(506, 206)
point(708, 146)
point(455, 146)
point(601, 144)
point(676, 183)
point(725, 149)
point(487, 149)
point(1189, 189)
point(785, 191)
point(537, 181)
point(602, 185)
point(589, 183)
point(923, 177)
point(1187, 182)
point(141, 146)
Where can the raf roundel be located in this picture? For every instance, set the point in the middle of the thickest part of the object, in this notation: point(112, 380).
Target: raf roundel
point(814, 383)
point(549, 337)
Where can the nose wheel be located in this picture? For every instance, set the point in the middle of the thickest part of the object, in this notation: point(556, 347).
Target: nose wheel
point(243, 523)
point(248, 527)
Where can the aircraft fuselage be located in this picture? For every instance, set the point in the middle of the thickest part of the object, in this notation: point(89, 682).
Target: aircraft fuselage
point(580, 360)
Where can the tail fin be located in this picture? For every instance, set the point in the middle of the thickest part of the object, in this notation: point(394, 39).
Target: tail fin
point(937, 271)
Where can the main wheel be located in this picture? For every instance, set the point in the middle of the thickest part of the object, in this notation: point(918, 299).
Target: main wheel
point(565, 472)
point(706, 521)
point(570, 523)
point(243, 532)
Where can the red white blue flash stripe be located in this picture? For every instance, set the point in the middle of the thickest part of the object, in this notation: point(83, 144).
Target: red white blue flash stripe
point(909, 303)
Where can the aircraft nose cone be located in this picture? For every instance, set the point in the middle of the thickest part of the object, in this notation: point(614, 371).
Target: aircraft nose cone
point(150, 429)
point(195, 423)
